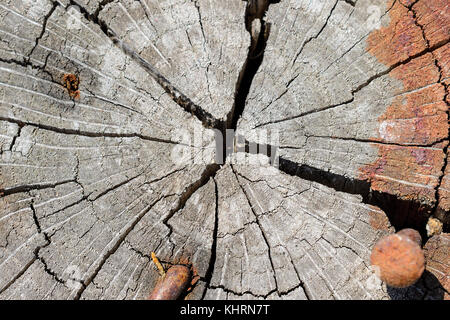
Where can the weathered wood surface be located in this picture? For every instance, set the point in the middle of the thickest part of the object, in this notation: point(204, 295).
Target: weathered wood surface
point(303, 239)
point(437, 252)
point(94, 179)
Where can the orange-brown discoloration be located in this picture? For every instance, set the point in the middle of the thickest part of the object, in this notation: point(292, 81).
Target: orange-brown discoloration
point(173, 284)
point(71, 83)
point(398, 41)
point(443, 60)
point(418, 113)
point(180, 279)
point(437, 255)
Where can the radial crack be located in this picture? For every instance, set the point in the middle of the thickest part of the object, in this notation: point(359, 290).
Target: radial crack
point(209, 172)
point(378, 141)
point(240, 294)
point(260, 227)
point(316, 35)
point(177, 96)
point(88, 133)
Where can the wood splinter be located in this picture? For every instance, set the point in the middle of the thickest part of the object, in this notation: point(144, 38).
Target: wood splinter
point(173, 282)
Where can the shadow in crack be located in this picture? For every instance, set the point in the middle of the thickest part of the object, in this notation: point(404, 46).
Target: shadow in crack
point(401, 213)
point(427, 287)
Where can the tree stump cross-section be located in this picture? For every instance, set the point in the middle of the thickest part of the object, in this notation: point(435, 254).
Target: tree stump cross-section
point(267, 144)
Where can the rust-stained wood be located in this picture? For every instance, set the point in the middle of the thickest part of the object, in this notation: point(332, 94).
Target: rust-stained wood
point(110, 113)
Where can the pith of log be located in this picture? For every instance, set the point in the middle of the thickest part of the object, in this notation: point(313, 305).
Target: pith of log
point(109, 117)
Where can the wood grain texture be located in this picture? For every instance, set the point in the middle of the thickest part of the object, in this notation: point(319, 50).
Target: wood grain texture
point(291, 235)
point(382, 98)
point(109, 112)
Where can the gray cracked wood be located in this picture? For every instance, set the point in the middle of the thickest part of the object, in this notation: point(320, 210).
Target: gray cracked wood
point(291, 236)
point(357, 90)
point(78, 174)
point(95, 178)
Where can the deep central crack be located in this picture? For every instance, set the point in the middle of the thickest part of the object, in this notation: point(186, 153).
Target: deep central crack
point(401, 213)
